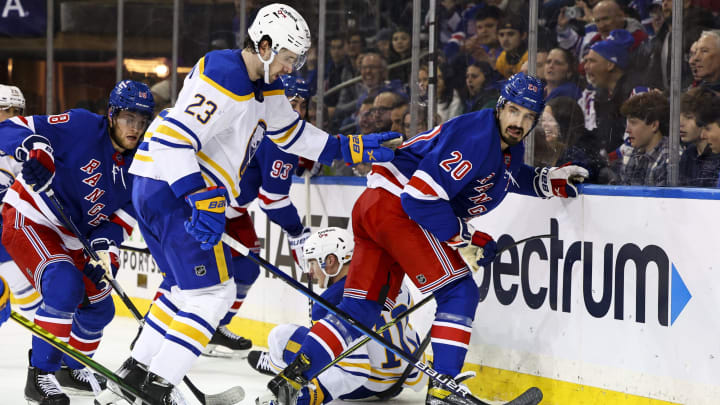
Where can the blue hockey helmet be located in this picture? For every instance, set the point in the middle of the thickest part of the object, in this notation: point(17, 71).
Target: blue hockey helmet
point(295, 87)
point(525, 91)
point(132, 96)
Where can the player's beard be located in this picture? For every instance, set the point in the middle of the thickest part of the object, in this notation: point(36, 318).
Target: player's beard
point(122, 140)
point(511, 140)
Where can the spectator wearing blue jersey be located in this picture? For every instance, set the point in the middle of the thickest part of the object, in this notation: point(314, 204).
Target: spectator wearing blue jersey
point(480, 87)
point(561, 75)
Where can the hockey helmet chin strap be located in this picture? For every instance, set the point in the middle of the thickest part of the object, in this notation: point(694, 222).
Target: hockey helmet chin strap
point(266, 63)
point(328, 276)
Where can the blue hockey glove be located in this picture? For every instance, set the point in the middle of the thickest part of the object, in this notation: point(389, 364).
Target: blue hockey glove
point(476, 248)
point(207, 223)
point(297, 243)
point(109, 254)
point(369, 148)
point(559, 181)
point(4, 301)
point(38, 168)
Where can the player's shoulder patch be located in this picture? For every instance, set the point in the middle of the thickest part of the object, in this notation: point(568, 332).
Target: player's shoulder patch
point(226, 69)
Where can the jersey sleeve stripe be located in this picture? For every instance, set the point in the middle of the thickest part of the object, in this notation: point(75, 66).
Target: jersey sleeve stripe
point(142, 157)
point(279, 92)
point(289, 126)
point(287, 134)
point(185, 129)
point(422, 137)
point(172, 145)
point(426, 184)
point(228, 180)
point(297, 135)
point(165, 130)
point(220, 88)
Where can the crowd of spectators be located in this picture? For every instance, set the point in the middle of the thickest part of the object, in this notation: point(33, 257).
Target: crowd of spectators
point(606, 64)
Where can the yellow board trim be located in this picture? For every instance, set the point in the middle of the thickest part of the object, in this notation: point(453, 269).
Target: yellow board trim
point(190, 332)
point(285, 137)
point(220, 88)
point(205, 158)
point(165, 130)
point(221, 264)
point(490, 384)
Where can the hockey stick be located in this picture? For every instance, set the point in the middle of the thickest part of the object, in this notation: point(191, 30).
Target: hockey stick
point(366, 339)
point(229, 396)
point(86, 361)
point(400, 317)
point(398, 385)
point(532, 396)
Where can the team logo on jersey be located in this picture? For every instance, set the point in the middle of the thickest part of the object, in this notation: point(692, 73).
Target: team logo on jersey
point(421, 278)
point(253, 144)
point(200, 270)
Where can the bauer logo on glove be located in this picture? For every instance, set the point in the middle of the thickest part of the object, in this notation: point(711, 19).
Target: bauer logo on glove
point(368, 148)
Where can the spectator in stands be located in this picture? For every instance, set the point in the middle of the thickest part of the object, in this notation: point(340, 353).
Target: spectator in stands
point(397, 115)
point(608, 16)
point(484, 45)
point(512, 34)
point(421, 123)
point(705, 60)
point(605, 68)
point(161, 95)
point(707, 117)
point(567, 139)
point(382, 42)
point(657, 18)
point(449, 103)
point(355, 47)
point(479, 82)
point(448, 20)
point(647, 125)
point(365, 121)
point(373, 70)
point(339, 69)
point(399, 50)
point(561, 75)
point(699, 164)
point(655, 54)
point(382, 108)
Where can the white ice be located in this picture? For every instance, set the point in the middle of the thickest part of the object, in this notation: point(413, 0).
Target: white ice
point(211, 375)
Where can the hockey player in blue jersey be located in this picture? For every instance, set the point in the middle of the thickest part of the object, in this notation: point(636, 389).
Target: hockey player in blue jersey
point(412, 220)
point(83, 159)
point(189, 169)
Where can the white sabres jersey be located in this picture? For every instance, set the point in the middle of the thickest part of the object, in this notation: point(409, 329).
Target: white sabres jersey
point(217, 123)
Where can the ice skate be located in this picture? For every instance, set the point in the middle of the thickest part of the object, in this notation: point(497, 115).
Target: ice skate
point(260, 362)
point(225, 343)
point(133, 373)
point(81, 382)
point(285, 387)
point(41, 387)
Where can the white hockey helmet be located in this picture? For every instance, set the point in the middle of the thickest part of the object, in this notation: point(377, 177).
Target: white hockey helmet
point(11, 96)
point(325, 242)
point(286, 28)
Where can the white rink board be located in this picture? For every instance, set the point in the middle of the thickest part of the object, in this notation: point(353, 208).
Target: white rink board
point(678, 362)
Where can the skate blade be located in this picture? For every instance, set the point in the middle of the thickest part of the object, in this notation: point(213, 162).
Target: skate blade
point(224, 352)
point(77, 392)
point(107, 397)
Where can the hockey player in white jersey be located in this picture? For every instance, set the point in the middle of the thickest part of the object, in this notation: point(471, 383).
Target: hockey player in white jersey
point(368, 373)
point(189, 166)
point(12, 103)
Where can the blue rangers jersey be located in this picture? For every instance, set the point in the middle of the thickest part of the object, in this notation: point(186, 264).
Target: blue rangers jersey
point(456, 170)
point(268, 178)
point(91, 179)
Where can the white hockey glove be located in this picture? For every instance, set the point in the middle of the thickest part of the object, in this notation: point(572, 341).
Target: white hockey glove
point(559, 181)
point(476, 248)
point(296, 245)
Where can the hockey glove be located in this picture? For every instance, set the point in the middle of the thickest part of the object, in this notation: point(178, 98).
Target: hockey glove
point(109, 254)
point(368, 148)
point(476, 248)
point(38, 168)
point(308, 165)
point(207, 222)
point(297, 243)
point(559, 181)
point(4, 301)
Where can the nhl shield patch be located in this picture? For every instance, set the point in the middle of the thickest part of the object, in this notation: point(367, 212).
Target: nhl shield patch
point(421, 278)
point(200, 270)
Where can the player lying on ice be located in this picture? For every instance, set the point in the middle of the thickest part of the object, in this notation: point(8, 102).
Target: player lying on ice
point(188, 170)
point(370, 371)
point(411, 220)
point(83, 159)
